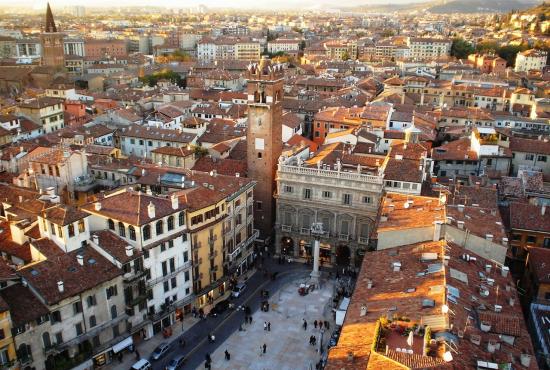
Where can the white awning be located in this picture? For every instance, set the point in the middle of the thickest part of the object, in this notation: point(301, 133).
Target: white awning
point(123, 345)
point(341, 312)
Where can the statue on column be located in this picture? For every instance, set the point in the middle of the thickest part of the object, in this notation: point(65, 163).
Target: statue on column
point(317, 231)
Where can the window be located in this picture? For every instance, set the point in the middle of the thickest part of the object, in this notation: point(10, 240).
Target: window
point(111, 291)
point(114, 313)
point(259, 155)
point(46, 340)
point(546, 243)
point(170, 223)
point(327, 194)
point(307, 193)
point(71, 230)
point(541, 158)
point(529, 157)
point(55, 317)
point(287, 189)
point(95, 341)
point(81, 226)
point(60, 231)
point(121, 229)
point(159, 227)
point(111, 224)
point(531, 239)
point(93, 321)
point(58, 338)
point(78, 328)
point(181, 219)
point(347, 199)
point(259, 205)
point(173, 282)
point(145, 253)
point(116, 333)
point(77, 307)
point(166, 286)
point(91, 300)
point(164, 268)
point(132, 232)
point(185, 256)
point(186, 276)
point(146, 232)
point(172, 262)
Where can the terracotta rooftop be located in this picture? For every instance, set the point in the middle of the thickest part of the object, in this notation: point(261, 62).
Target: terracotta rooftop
point(24, 306)
point(64, 215)
point(114, 245)
point(527, 216)
point(44, 276)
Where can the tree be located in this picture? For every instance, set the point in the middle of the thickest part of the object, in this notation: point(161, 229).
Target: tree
point(345, 55)
point(487, 47)
point(461, 48)
point(509, 52)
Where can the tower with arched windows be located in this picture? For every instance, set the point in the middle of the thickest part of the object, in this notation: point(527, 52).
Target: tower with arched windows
point(264, 138)
point(52, 43)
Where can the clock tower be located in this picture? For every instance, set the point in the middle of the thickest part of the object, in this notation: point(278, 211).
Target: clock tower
point(53, 54)
point(264, 139)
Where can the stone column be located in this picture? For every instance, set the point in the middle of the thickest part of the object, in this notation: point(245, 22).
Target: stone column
point(315, 272)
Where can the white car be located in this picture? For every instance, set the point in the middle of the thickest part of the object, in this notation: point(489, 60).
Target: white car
point(237, 291)
point(142, 365)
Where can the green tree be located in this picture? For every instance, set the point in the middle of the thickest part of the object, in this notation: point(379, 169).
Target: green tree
point(345, 55)
point(487, 47)
point(461, 48)
point(509, 52)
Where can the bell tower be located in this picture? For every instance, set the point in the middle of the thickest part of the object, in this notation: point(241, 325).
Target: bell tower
point(264, 139)
point(53, 54)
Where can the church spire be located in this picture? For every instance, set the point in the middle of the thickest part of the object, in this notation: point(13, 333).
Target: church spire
point(50, 23)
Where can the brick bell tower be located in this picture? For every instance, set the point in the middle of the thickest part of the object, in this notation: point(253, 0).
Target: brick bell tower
point(53, 54)
point(264, 139)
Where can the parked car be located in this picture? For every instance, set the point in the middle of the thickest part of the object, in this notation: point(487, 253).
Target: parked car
point(220, 308)
point(160, 351)
point(142, 365)
point(237, 291)
point(176, 363)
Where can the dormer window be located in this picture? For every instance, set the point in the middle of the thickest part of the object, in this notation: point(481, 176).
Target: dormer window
point(121, 230)
point(159, 227)
point(71, 230)
point(111, 224)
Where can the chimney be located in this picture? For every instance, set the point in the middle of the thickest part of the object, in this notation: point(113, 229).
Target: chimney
point(80, 259)
point(60, 286)
point(20, 199)
point(489, 237)
point(396, 266)
point(95, 239)
point(461, 208)
point(237, 174)
point(460, 224)
point(97, 206)
point(175, 202)
point(363, 310)
point(129, 250)
point(543, 210)
point(151, 210)
point(369, 284)
point(437, 230)
point(488, 268)
point(512, 301)
point(504, 271)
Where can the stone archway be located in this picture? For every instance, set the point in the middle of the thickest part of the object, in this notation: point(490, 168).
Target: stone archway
point(343, 255)
point(287, 246)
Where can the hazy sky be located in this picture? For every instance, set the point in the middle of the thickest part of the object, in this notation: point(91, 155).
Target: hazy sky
point(41, 4)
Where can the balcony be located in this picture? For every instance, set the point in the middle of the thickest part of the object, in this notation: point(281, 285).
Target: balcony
point(134, 276)
point(212, 239)
point(244, 244)
point(172, 307)
point(196, 246)
point(197, 261)
point(161, 279)
point(136, 300)
point(343, 237)
point(213, 255)
point(198, 277)
point(363, 240)
point(305, 231)
point(286, 228)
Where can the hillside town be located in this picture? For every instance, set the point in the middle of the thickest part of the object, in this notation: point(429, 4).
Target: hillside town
point(202, 188)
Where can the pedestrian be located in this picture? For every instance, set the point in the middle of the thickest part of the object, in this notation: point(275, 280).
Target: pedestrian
point(310, 340)
point(265, 325)
point(227, 356)
point(314, 340)
point(320, 324)
point(250, 319)
point(327, 325)
point(138, 357)
point(207, 358)
point(315, 324)
point(269, 326)
point(264, 347)
point(304, 325)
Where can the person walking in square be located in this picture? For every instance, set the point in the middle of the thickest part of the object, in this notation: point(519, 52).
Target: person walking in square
point(264, 347)
point(320, 324)
point(227, 355)
point(269, 326)
point(327, 325)
point(265, 325)
point(304, 325)
point(315, 324)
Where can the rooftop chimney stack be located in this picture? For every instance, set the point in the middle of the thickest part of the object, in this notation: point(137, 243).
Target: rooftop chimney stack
point(175, 201)
point(80, 259)
point(129, 250)
point(60, 286)
point(151, 210)
point(97, 206)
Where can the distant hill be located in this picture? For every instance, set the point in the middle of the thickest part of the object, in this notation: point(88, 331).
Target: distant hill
point(481, 6)
point(452, 6)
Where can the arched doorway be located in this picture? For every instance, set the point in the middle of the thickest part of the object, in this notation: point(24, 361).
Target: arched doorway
point(343, 255)
point(287, 246)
